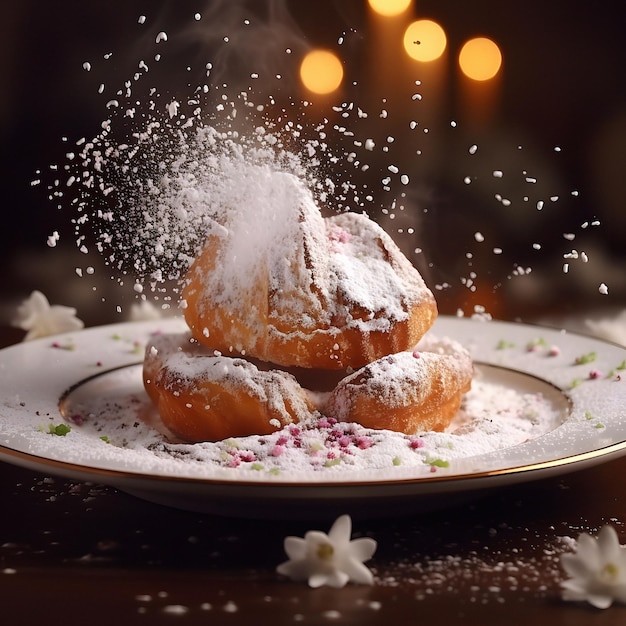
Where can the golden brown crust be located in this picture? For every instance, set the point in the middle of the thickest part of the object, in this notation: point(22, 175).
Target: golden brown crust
point(203, 397)
point(323, 316)
point(407, 392)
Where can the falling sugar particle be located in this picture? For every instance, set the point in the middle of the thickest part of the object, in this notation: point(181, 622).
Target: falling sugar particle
point(142, 19)
point(479, 237)
point(473, 149)
point(53, 239)
point(603, 289)
point(497, 174)
point(87, 66)
point(162, 36)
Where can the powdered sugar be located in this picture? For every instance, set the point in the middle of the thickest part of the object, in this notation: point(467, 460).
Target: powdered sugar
point(493, 418)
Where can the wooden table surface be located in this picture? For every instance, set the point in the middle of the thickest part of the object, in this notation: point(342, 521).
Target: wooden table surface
point(75, 553)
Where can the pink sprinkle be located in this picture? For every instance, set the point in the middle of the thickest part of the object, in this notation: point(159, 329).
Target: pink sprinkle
point(344, 441)
point(294, 431)
point(277, 450)
point(618, 377)
point(323, 422)
point(282, 440)
point(331, 455)
point(414, 444)
point(247, 456)
point(416, 354)
point(593, 374)
point(433, 469)
point(363, 442)
point(554, 351)
point(340, 235)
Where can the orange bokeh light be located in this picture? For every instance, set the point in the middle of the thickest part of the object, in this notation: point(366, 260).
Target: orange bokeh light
point(321, 71)
point(389, 8)
point(480, 59)
point(425, 40)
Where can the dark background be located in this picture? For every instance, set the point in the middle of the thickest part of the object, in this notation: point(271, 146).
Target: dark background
point(562, 85)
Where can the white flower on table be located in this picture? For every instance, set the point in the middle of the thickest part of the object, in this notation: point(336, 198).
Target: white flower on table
point(597, 570)
point(40, 319)
point(329, 559)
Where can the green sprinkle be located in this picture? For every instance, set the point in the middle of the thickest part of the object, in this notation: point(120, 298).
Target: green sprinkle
point(622, 365)
point(60, 430)
point(105, 439)
point(316, 446)
point(274, 471)
point(332, 462)
point(598, 425)
point(397, 461)
point(590, 357)
point(116, 336)
point(575, 383)
point(503, 344)
point(438, 462)
point(588, 415)
point(257, 466)
point(536, 343)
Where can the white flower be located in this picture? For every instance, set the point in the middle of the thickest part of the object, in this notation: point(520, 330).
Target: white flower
point(597, 570)
point(36, 316)
point(331, 559)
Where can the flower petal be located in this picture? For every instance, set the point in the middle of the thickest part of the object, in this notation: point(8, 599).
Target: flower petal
point(608, 544)
point(357, 572)
point(599, 600)
point(363, 548)
point(575, 566)
point(341, 530)
point(296, 570)
point(619, 593)
point(587, 550)
point(318, 579)
point(337, 579)
point(295, 547)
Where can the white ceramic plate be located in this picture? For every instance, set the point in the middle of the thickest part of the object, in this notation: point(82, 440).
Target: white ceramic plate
point(42, 382)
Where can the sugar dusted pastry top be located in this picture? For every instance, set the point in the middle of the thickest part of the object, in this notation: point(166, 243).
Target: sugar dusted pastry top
point(279, 282)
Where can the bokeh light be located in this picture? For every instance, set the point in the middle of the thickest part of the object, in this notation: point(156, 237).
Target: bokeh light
point(424, 40)
point(389, 8)
point(321, 71)
point(480, 58)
